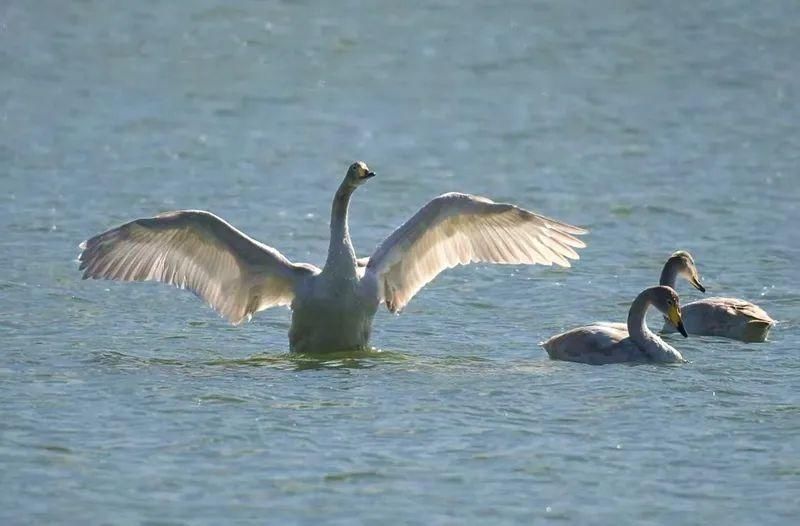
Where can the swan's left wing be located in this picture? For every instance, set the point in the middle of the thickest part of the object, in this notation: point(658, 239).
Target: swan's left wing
point(456, 229)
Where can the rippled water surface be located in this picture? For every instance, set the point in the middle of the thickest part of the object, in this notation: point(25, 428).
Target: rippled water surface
point(657, 125)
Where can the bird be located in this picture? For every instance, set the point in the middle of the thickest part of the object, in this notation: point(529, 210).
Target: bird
point(604, 343)
point(332, 307)
point(727, 317)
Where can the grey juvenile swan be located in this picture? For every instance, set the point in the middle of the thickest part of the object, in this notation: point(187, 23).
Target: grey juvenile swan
point(726, 317)
point(332, 308)
point(603, 343)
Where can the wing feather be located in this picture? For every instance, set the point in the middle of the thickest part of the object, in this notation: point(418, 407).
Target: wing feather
point(199, 251)
point(457, 229)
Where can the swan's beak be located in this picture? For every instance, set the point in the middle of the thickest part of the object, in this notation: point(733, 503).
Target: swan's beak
point(695, 281)
point(674, 316)
point(682, 329)
point(369, 175)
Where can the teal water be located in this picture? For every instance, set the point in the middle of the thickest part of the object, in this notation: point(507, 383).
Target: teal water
point(659, 126)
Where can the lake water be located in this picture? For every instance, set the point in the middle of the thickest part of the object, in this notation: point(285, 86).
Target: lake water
point(659, 126)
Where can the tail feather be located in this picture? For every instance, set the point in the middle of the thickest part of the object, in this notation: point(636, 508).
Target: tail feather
point(756, 331)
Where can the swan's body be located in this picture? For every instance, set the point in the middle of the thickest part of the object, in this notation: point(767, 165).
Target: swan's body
point(333, 307)
point(727, 317)
point(604, 343)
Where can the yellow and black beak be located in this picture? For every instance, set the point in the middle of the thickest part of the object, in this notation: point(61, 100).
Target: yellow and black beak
point(674, 316)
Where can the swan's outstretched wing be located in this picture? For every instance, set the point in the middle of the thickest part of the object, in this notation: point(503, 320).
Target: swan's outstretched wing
point(196, 250)
point(456, 229)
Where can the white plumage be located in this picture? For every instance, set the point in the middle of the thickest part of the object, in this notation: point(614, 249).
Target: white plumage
point(196, 250)
point(332, 308)
point(457, 229)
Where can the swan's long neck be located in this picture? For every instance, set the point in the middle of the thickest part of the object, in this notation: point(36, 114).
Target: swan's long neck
point(341, 254)
point(653, 346)
point(637, 326)
point(669, 274)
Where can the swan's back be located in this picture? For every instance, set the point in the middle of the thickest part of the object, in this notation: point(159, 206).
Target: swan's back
point(726, 317)
point(596, 344)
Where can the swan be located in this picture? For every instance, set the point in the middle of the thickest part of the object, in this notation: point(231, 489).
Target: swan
point(728, 317)
point(603, 343)
point(332, 307)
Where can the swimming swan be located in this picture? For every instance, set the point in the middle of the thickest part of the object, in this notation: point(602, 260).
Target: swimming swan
point(603, 343)
point(332, 308)
point(727, 317)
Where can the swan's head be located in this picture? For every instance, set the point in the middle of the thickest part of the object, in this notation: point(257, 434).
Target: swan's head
point(684, 265)
point(358, 173)
point(666, 300)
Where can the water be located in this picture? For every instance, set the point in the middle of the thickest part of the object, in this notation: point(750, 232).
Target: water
point(657, 126)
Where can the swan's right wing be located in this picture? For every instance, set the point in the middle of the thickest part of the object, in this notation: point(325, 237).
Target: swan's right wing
point(456, 229)
point(196, 250)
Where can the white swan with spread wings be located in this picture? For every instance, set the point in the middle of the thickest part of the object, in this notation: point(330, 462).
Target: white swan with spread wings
point(332, 307)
